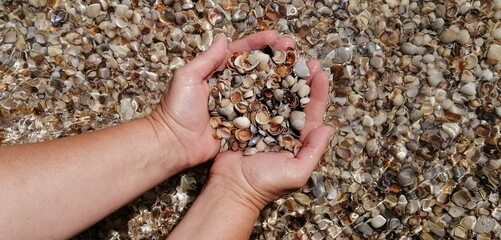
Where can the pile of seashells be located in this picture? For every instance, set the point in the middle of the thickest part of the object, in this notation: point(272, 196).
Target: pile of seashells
point(256, 103)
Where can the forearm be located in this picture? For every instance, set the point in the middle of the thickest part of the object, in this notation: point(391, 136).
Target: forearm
point(57, 188)
point(218, 213)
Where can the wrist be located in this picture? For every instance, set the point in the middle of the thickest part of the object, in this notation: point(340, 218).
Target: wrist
point(167, 144)
point(235, 195)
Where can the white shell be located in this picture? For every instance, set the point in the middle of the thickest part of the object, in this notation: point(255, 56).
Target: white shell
point(241, 122)
point(297, 120)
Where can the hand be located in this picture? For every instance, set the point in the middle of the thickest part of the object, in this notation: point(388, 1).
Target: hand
point(263, 177)
point(183, 111)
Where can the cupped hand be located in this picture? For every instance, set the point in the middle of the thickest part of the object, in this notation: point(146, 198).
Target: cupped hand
point(261, 178)
point(183, 111)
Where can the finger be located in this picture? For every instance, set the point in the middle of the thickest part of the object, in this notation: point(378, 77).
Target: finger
point(207, 62)
point(284, 43)
point(254, 41)
point(314, 67)
point(312, 150)
point(319, 97)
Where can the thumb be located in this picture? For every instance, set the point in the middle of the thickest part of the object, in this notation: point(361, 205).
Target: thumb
point(208, 62)
point(313, 148)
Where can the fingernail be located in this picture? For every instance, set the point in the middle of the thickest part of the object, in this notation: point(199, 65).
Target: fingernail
point(218, 37)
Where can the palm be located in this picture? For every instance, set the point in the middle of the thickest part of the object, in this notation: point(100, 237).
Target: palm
point(187, 107)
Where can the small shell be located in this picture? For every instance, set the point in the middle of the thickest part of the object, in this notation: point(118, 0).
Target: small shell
point(214, 122)
point(250, 151)
point(236, 96)
point(279, 56)
point(241, 122)
point(245, 62)
point(283, 70)
point(222, 133)
point(287, 141)
point(263, 117)
point(291, 57)
point(303, 91)
point(452, 129)
point(274, 129)
point(301, 69)
point(297, 120)
point(243, 135)
point(298, 85)
point(228, 111)
point(255, 106)
point(277, 120)
point(242, 107)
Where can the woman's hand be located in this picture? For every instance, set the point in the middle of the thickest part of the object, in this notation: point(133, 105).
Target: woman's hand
point(183, 112)
point(263, 177)
point(240, 186)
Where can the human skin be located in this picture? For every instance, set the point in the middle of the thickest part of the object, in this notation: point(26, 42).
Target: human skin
point(55, 189)
point(239, 187)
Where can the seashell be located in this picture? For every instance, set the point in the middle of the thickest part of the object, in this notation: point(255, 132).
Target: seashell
point(301, 69)
point(291, 57)
point(291, 99)
point(297, 120)
point(406, 177)
point(228, 111)
point(288, 82)
point(216, 16)
point(469, 89)
point(304, 101)
point(263, 117)
point(241, 122)
point(496, 213)
point(287, 141)
point(278, 94)
point(222, 133)
point(494, 54)
point(472, 15)
point(249, 95)
point(274, 129)
point(236, 96)
point(250, 151)
point(243, 135)
point(299, 84)
point(449, 35)
point(303, 91)
point(93, 10)
point(278, 56)
point(245, 62)
point(494, 164)
point(228, 5)
point(283, 70)
point(215, 122)
point(377, 221)
point(461, 197)
point(452, 129)
point(484, 224)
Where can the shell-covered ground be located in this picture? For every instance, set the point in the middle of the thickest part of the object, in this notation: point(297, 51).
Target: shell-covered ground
point(415, 98)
